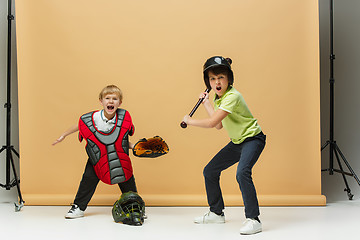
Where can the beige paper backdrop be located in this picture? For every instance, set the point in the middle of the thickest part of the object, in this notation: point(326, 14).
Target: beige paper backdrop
point(154, 51)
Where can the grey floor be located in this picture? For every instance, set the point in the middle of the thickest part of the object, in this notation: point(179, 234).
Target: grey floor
point(338, 220)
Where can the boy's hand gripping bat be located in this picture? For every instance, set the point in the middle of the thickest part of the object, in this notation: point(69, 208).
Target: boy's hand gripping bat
point(183, 124)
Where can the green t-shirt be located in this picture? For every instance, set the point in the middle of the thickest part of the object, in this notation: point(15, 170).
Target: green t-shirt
point(239, 123)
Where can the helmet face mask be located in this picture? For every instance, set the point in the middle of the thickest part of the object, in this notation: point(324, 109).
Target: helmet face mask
point(217, 64)
point(129, 209)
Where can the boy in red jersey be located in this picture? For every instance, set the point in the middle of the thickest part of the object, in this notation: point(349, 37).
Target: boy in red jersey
point(106, 132)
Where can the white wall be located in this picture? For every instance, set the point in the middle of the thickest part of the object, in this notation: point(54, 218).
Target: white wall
point(7, 195)
point(347, 99)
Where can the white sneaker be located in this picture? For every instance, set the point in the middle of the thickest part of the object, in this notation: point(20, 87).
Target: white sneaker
point(210, 217)
point(74, 212)
point(250, 226)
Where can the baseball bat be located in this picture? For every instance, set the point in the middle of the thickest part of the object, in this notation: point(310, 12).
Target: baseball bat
point(183, 124)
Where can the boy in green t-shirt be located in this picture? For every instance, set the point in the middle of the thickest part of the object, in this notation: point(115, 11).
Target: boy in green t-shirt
point(247, 142)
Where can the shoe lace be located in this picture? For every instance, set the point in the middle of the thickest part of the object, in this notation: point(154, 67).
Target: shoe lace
point(250, 221)
point(205, 215)
point(247, 220)
point(73, 208)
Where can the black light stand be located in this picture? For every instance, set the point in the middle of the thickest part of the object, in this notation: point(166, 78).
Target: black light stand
point(8, 147)
point(334, 149)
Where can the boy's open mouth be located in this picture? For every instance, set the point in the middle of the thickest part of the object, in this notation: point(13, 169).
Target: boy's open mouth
point(110, 107)
point(218, 88)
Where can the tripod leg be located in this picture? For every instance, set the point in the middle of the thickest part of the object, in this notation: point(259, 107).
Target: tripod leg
point(21, 201)
point(18, 206)
point(324, 146)
point(347, 189)
point(2, 149)
point(14, 151)
point(347, 164)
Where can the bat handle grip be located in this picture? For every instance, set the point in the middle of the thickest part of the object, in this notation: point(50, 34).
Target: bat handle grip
point(183, 124)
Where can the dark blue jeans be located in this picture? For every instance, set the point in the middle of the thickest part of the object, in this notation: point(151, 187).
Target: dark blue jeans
point(246, 154)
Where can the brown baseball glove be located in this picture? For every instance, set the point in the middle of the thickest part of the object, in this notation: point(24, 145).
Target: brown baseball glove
point(151, 147)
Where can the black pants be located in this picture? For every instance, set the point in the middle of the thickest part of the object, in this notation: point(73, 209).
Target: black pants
point(246, 155)
point(89, 183)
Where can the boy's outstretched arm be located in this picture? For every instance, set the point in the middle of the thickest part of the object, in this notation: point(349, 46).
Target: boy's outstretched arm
point(71, 130)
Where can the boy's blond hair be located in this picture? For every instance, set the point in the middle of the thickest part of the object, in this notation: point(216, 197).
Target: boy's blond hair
point(111, 89)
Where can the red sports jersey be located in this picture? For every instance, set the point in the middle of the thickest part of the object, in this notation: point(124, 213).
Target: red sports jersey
point(108, 152)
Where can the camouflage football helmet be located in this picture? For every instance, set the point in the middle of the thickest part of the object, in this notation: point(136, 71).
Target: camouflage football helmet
point(129, 209)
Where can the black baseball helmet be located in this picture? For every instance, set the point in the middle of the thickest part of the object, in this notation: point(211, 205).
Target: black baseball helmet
point(129, 209)
point(220, 63)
